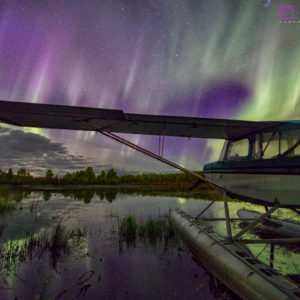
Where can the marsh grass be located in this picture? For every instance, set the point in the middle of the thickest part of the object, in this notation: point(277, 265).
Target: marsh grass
point(152, 230)
point(128, 228)
point(60, 240)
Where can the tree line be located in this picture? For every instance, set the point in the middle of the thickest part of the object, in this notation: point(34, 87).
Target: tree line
point(88, 177)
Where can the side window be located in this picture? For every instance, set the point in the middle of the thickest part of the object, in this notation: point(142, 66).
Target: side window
point(238, 149)
point(270, 145)
point(290, 143)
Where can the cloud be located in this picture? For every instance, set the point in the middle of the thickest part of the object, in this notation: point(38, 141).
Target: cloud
point(37, 153)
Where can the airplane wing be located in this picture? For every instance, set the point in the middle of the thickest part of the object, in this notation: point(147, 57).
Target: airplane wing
point(86, 118)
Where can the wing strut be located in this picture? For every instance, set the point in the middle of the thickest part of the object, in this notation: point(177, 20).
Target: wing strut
point(160, 158)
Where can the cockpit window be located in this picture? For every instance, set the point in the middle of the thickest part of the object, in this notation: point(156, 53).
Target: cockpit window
point(270, 145)
point(238, 149)
point(290, 143)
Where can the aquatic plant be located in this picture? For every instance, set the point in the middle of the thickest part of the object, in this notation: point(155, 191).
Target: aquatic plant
point(128, 228)
point(152, 230)
point(59, 240)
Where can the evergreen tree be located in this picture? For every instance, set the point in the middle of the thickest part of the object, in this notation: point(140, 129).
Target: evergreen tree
point(89, 176)
point(112, 176)
point(101, 178)
point(49, 175)
point(10, 175)
point(21, 172)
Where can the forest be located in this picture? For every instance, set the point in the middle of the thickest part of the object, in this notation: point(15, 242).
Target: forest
point(88, 177)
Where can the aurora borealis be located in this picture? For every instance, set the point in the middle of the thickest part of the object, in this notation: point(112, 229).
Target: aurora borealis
point(210, 58)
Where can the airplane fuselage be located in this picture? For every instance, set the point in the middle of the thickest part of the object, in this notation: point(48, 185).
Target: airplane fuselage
point(258, 185)
point(262, 168)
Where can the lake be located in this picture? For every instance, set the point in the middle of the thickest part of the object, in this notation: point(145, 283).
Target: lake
point(98, 265)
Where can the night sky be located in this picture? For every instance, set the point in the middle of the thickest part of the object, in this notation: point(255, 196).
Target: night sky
point(214, 58)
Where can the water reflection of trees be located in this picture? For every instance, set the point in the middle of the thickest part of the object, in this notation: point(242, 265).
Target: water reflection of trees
point(16, 195)
point(103, 194)
point(87, 195)
point(46, 195)
point(109, 195)
point(9, 199)
point(82, 195)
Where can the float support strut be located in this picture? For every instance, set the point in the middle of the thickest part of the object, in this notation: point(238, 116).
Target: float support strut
point(227, 216)
point(205, 209)
point(256, 222)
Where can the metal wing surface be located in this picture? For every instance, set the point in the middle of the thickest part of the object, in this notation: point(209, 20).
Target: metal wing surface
point(87, 118)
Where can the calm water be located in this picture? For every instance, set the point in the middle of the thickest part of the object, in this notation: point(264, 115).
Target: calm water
point(97, 268)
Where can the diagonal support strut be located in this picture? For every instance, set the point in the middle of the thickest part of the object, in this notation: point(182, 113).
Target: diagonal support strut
point(151, 154)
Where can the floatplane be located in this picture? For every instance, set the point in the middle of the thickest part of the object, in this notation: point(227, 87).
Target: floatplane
point(259, 163)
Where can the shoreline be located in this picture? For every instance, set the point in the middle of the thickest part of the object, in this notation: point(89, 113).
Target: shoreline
point(203, 192)
point(89, 186)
